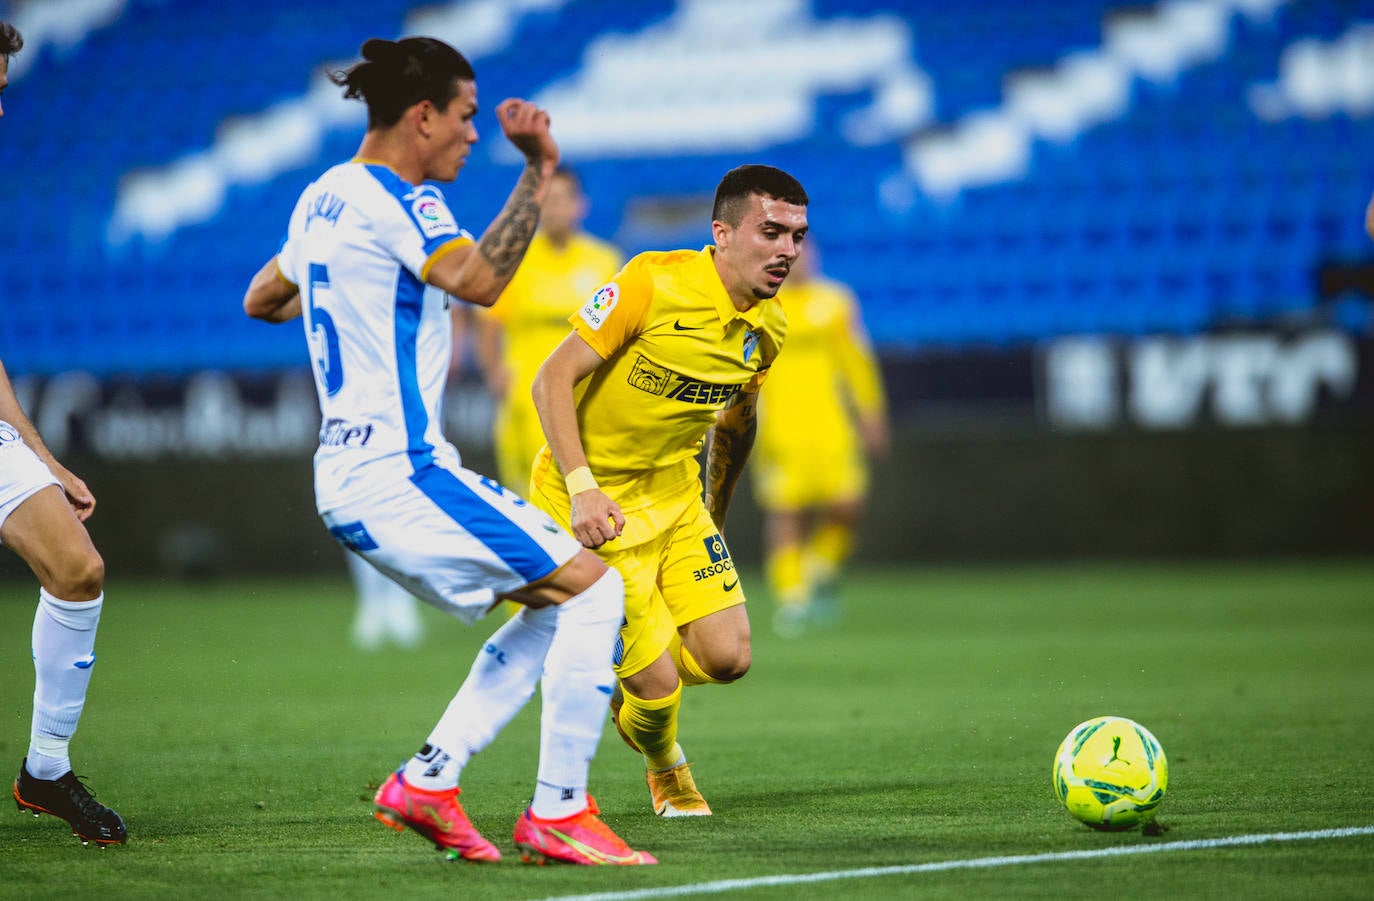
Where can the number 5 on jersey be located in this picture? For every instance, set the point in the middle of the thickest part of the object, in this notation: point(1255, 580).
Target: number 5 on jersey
point(324, 337)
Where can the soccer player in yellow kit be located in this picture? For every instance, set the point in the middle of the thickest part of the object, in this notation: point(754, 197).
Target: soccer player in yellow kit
point(669, 353)
point(812, 491)
point(561, 269)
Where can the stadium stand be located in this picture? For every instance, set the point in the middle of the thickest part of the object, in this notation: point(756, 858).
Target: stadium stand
point(984, 174)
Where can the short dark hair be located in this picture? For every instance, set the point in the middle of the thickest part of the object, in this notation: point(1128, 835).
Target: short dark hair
point(732, 194)
point(11, 41)
point(396, 75)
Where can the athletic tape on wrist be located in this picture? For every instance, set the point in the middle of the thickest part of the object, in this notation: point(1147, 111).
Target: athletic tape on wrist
point(580, 480)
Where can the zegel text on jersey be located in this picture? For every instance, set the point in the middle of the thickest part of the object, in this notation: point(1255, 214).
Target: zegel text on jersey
point(655, 379)
point(697, 392)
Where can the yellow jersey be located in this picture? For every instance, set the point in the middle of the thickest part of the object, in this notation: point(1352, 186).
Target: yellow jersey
point(550, 283)
point(533, 312)
point(676, 352)
point(807, 439)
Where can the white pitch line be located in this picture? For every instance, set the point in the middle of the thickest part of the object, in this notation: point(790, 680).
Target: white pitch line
point(977, 863)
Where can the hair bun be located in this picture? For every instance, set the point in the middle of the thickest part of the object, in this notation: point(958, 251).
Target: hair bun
point(380, 50)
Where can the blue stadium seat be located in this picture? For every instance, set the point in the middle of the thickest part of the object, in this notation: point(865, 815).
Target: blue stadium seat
point(1186, 212)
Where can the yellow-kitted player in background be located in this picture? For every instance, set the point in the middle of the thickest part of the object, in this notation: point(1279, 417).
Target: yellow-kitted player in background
point(562, 268)
point(821, 419)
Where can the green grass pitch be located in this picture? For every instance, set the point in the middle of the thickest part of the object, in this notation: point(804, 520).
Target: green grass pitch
point(241, 737)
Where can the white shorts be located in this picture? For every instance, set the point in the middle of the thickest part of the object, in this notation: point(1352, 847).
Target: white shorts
point(453, 538)
point(22, 474)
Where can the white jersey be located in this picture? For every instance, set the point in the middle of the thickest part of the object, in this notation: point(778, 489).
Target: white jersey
point(360, 242)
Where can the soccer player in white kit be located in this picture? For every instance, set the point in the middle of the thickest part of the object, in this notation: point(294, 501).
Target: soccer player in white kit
point(42, 511)
point(371, 258)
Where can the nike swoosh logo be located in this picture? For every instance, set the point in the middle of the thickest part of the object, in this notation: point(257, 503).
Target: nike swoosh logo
point(595, 855)
point(679, 327)
point(85, 664)
point(731, 586)
point(443, 824)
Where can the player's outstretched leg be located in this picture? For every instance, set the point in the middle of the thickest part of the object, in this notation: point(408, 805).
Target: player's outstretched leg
point(423, 795)
point(562, 823)
point(68, 798)
point(436, 815)
point(582, 838)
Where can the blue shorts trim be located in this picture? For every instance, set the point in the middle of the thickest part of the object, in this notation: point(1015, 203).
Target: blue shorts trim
point(485, 521)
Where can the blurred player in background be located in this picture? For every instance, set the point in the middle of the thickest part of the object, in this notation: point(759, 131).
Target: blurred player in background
point(562, 268)
point(42, 511)
point(363, 244)
point(823, 416)
point(669, 352)
point(384, 611)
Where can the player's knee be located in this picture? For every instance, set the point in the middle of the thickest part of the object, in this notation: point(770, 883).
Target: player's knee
point(728, 667)
point(80, 578)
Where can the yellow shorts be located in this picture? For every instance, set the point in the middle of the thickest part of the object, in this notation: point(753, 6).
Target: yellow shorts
point(680, 576)
point(823, 469)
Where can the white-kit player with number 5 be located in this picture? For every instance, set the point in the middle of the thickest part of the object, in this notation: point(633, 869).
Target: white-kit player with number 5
point(371, 257)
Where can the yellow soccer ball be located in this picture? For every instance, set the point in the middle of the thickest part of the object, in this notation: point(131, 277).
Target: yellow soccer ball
point(1110, 773)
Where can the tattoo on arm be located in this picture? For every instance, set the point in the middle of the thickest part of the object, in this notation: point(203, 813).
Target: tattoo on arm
point(504, 242)
point(728, 446)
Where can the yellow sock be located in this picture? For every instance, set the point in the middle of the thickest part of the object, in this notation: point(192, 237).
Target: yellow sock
point(652, 725)
point(784, 567)
point(828, 549)
point(688, 670)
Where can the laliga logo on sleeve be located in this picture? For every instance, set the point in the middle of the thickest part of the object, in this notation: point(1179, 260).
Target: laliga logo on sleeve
point(595, 311)
point(433, 216)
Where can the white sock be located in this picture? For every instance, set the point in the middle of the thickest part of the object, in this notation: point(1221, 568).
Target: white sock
point(502, 679)
point(63, 645)
point(384, 610)
point(577, 686)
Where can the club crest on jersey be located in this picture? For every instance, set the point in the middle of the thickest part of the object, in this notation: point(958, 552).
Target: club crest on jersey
point(432, 215)
point(595, 310)
point(751, 344)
